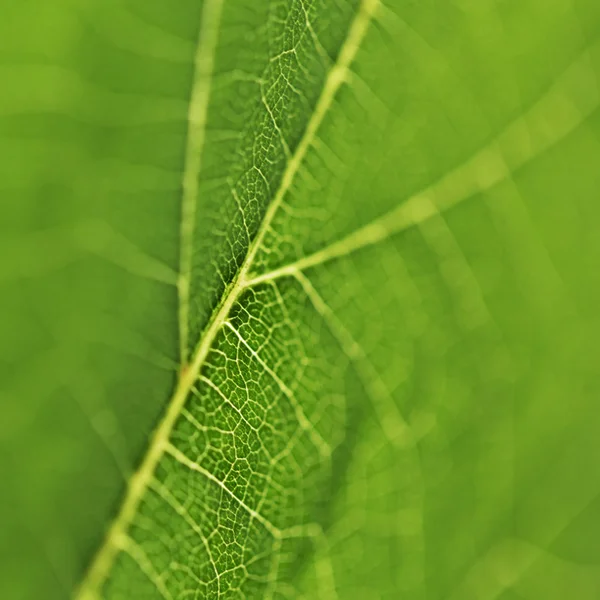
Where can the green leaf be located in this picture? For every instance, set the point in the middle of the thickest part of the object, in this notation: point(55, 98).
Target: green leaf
point(300, 299)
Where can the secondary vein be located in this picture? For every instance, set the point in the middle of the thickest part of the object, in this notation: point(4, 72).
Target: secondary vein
point(197, 117)
point(573, 96)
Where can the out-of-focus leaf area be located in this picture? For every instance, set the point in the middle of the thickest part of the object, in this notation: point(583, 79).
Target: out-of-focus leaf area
point(299, 299)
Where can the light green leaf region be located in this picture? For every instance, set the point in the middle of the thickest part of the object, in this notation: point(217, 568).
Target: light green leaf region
point(299, 299)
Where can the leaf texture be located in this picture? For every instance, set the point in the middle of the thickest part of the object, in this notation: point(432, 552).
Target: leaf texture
point(300, 299)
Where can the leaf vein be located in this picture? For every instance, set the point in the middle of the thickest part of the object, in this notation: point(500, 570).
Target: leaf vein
point(532, 134)
point(197, 117)
point(137, 485)
point(181, 458)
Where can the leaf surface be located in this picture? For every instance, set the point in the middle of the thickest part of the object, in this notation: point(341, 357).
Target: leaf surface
point(300, 299)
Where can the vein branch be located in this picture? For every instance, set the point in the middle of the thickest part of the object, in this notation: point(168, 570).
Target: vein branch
point(197, 117)
point(337, 75)
point(574, 97)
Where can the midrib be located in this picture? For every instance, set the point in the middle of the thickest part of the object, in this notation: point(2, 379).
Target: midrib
point(139, 482)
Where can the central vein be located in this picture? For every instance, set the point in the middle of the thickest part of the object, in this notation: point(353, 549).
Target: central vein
point(116, 537)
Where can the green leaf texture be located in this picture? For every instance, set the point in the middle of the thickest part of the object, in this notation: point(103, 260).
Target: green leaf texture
point(300, 299)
